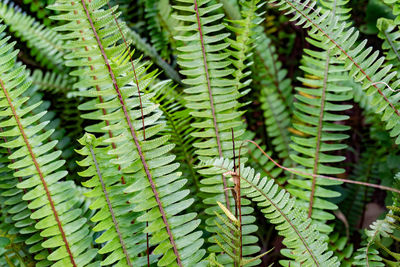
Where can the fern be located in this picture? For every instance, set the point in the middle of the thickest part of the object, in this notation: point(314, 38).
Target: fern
point(275, 95)
point(363, 64)
point(49, 200)
point(305, 245)
point(158, 35)
point(342, 249)
point(123, 241)
point(137, 149)
point(212, 98)
point(241, 47)
point(380, 229)
point(229, 233)
point(316, 112)
point(178, 122)
point(45, 45)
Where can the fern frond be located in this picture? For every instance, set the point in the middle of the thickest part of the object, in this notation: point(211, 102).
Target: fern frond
point(305, 245)
point(229, 240)
point(178, 120)
point(342, 249)
point(149, 51)
point(136, 146)
point(241, 46)
point(363, 63)
point(390, 33)
point(158, 35)
point(275, 95)
point(369, 255)
point(122, 242)
point(317, 112)
point(59, 217)
point(45, 44)
point(52, 82)
point(211, 96)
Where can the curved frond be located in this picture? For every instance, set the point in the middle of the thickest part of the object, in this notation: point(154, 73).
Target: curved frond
point(364, 64)
point(319, 120)
point(45, 45)
point(131, 126)
point(59, 218)
point(305, 245)
point(211, 96)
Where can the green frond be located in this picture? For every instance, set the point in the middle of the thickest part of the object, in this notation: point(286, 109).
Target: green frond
point(317, 117)
point(136, 147)
point(376, 251)
point(364, 64)
point(241, 46)
point(56, 225)
point(275, 91)
point(305, 245)
point(369, 255)
point(211, 96)
point(122, 241)
point(52, 82)
point(45, 44)
point(228, 238)
point(342, 249)
point(159, 36)
point(178, 120)
point(150, 51)
point(390, 34)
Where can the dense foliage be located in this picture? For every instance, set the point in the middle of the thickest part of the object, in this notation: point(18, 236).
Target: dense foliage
point(199, 133)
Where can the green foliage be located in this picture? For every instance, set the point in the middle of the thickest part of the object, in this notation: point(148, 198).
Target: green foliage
point(44, 44)
point(304, 244)
point(105, 161)
point(275, 93)
point(33, 160)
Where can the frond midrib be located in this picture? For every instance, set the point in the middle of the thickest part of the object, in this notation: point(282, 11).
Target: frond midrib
point(134, 136)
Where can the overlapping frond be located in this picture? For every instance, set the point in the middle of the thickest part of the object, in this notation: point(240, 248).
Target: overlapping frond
point(45, 44)
point(342, 249)
point(211, 96)
point(363, 64)
point(305, 245)
point(178, 120)
point(369, 255)
point(319, 120)
point(229, 240)
point(123, 241)
point(158, 34)
point(62, 235)
point(276, 95)
point(241, 46)
point(130, 125)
